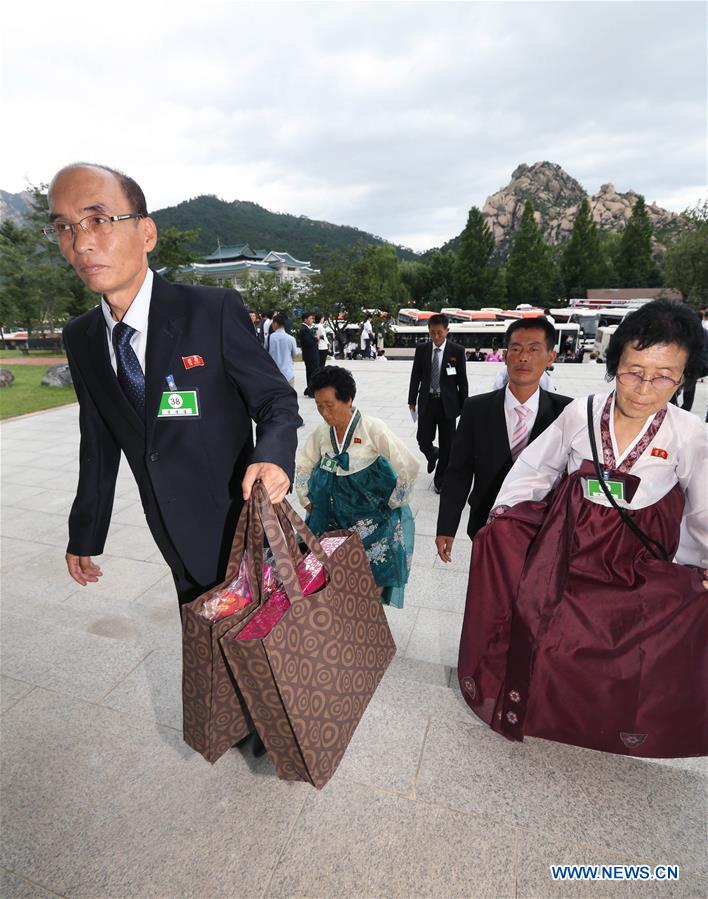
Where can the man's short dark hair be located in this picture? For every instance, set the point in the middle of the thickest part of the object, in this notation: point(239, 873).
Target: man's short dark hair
point(334, 376)
point(280, 319)
point(659, 322)
point(132, 190)
point(527, 324)
point(438, 319)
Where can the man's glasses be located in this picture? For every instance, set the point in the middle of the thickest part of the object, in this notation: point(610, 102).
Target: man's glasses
point(632, 379)
point(96, 224)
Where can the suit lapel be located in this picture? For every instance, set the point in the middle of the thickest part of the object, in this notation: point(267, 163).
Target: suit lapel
point(165, 324)
point(105, 384)
point(498, 434)
point(544, 416)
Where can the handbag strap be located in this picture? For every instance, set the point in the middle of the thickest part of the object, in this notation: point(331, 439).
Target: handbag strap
point(275, 533)
point(291, 521)
point(651, 544)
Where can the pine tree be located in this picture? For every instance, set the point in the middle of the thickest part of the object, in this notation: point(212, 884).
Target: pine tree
point(530, 273)
point(582, 264)
point(475, 275)
point(635, 264)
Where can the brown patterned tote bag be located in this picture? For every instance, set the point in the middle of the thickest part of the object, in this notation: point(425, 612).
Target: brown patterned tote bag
point(214, 716)
point(307, 663)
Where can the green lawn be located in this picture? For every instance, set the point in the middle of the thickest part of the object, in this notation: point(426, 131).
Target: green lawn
point(26, 395)
point(9, 354)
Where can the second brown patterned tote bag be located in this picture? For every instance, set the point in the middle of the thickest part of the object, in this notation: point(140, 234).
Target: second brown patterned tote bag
point(213, 714)
point(307, 664)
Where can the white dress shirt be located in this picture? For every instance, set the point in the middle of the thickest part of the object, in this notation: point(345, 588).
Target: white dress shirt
point(512, 419)
point(432, 361)
point(136, 317)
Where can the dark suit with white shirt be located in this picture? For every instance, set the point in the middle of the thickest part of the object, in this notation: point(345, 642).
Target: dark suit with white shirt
point(438, 409)
point(188, 470)
point(481, 453)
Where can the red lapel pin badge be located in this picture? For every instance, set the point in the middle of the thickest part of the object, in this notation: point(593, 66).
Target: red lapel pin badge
point(659, 453)
point(192, 361)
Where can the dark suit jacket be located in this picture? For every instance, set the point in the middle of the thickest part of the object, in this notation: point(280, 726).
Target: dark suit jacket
point(308, 346)
point(453, 388)
point(188, 471)
point(480, 451)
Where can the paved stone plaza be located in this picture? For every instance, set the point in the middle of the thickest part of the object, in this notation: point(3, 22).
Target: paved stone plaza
point(101, 797)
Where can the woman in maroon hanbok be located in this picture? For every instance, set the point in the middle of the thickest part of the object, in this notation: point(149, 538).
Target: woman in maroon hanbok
point(587, 607)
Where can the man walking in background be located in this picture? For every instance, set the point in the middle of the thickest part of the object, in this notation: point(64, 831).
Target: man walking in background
point(495, 427)
point(438, 386)
point(282, 348)
point(308, 348)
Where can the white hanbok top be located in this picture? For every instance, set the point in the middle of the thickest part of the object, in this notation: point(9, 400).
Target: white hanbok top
point(372, 438)
point(678, 453)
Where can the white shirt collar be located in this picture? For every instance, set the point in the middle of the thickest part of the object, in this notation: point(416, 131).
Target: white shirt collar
point(138, 311)
point(442, 347)
point(510, 401)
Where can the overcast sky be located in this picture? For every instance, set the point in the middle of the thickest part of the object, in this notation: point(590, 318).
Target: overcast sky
point(393, 117)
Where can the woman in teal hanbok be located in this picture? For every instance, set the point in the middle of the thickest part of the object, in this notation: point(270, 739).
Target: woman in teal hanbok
point(353, 472)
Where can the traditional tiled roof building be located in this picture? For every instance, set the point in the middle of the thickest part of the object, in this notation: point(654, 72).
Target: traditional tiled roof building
point(239, 264)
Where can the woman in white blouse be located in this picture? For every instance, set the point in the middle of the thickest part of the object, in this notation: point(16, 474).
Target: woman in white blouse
point(353, 472)
point(587, 610)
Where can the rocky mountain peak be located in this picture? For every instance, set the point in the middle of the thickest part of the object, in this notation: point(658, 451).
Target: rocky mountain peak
point(556, 197)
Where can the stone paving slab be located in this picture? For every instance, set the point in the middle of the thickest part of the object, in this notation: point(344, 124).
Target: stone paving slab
point(101, 797)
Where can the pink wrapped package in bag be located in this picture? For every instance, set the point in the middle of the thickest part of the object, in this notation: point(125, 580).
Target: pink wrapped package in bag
point(238, 594)
point(310, 574)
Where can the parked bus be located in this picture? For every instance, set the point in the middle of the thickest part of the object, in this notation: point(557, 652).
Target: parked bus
point(484, 336)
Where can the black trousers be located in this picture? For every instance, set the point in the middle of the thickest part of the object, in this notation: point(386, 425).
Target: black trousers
point(311, 365)
point(431, 420)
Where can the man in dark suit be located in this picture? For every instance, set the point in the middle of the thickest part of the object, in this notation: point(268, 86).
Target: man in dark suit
point(439, 386)
point(171, 375)
point(308, 347)
point(492, 433)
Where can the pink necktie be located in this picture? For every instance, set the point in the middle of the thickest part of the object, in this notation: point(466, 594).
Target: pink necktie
point(520, 437)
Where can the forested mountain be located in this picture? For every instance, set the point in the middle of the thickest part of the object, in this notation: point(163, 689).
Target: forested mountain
point(242, 222)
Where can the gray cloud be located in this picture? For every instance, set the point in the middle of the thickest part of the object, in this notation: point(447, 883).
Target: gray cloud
point(394, 117)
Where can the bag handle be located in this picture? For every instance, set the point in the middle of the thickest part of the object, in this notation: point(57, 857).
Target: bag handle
point(248, 539)
point(275, 533)
point(651, 544)
point(291, 521)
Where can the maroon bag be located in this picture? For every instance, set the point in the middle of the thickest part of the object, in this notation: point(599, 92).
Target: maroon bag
point(214, 716)
point(308, 681)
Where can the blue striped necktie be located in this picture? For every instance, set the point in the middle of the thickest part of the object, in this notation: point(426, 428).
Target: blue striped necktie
point(130, 374)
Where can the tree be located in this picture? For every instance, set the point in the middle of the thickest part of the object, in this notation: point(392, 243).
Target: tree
point(39, 289)
point(415, 277)
point(530, 271)
point(267, 291)
point(582, 265)
point(442, 280)
point(635, 264)
point(172, 252)
point(475, 275)
point(687, 258)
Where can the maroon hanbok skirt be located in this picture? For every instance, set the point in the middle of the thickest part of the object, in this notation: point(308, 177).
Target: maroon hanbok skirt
point(574, 632)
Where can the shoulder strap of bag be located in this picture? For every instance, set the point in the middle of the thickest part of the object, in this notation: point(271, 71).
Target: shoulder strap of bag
point(651, 544)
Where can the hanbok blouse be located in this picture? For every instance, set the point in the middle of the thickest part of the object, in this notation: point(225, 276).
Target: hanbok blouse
point(675, 451)
point(371, 438)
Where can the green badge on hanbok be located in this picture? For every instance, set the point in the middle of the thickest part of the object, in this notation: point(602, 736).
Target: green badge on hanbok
point(593, 489)
point(179, 404)
point(328, 464)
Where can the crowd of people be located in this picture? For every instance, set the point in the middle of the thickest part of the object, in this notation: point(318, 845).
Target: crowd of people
point(586, 616)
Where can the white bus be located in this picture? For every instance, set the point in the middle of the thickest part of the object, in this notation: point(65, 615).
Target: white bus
point(485, 336)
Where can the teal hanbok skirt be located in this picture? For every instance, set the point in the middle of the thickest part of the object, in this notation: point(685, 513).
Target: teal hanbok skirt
point(359, 502)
